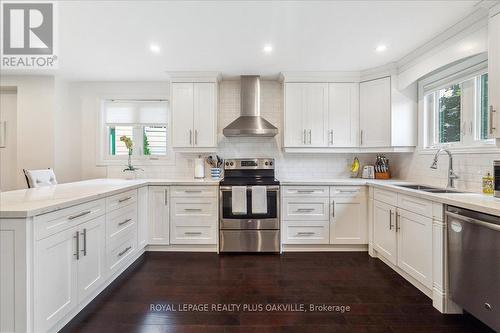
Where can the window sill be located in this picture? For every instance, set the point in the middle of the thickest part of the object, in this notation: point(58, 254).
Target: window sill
point(137, 162)
point(482, 149)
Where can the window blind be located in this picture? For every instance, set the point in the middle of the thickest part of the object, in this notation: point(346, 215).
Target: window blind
point(137, 112)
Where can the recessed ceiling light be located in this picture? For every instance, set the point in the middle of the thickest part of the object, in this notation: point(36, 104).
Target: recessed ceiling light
point(267, 48)
point(381, 48)
point(155, 48)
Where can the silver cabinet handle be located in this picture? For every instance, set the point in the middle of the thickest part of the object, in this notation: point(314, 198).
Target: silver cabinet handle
point(72, 217)
point(361, 137)
point(190, 137)
point(331, 137)
point(310, 136)
point(192, 233)
point(333, 208)
point(348, 191)
point(77, 253)
point(304, 136)
point(398, 222)
point(491, 119)
point(390, 219)
point(305, 191)
point(305, 209)
point(166, 198)
point(124, 251)
point(195, 136)
point(305, 233)
point(124, 222)
point(192, 209)
point(84, 242)
point(124, 199)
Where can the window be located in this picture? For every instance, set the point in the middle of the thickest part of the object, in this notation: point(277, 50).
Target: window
point(143, 121)
point(455, 110)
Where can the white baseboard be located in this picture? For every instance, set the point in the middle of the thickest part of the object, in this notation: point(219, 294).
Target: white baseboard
point(182, 248)
point(325, 248)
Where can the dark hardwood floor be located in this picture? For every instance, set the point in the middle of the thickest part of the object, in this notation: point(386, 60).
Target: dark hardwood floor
point(379, 299)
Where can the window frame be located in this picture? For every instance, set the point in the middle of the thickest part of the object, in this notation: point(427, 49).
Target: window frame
point(471, 68)
point(103, 157)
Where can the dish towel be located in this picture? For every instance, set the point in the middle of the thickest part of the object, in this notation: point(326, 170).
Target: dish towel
point(239, 200)
point(259, 200)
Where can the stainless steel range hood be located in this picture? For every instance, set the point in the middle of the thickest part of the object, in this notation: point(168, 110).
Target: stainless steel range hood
point(250, 123)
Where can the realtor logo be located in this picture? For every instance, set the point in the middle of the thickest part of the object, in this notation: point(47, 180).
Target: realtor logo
point(28, 35)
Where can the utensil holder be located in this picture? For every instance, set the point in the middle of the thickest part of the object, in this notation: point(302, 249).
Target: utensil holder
point(215, 173)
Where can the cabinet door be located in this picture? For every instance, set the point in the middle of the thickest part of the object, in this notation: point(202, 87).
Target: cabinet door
point(205, 121)
point(295, 97)
point(375, 113)
point(91, 265)
point(348, 224)
point(182, 114)
point(55, 278)
point(343, 114)
point(142, 217)
point(384, 230)
point(415, 245)
point(494, 75)
point(316, 114)
point(158, 215)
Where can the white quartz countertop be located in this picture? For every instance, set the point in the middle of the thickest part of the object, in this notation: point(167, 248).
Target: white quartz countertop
point(31, 202)
point(36, 201)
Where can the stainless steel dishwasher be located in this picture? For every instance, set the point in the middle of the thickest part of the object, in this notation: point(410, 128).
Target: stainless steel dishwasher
point(474, 263)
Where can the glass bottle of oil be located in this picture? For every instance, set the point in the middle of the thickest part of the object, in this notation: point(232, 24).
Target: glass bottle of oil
point(488, 184)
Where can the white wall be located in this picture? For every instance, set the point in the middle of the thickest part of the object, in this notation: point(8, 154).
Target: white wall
point(35, 122)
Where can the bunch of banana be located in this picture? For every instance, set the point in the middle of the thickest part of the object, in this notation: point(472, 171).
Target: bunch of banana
point(355, 166)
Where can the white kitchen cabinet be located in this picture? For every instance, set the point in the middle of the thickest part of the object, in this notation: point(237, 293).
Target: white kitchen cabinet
point(142, 217)
point(343, 114)
point(375, 112)
point(415, 245)
point(55, 278)
point(494, 72)
point(306, 112)
point(158, 197)
point(348, 221)
point(92, 258)
point(384, 231)
point(194, 115)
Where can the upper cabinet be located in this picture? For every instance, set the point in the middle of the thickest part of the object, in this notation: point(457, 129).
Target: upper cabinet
point(375, 113)
point(307, 114)
point(194, 114)
point(349, 116)
point(494, 72)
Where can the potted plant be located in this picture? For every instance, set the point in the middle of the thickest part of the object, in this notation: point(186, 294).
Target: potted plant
point(130, 146)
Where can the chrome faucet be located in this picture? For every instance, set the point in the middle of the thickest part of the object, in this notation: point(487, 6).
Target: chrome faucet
point(451, 174)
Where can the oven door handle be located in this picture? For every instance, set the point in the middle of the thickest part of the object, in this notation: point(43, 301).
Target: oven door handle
point(273, 188)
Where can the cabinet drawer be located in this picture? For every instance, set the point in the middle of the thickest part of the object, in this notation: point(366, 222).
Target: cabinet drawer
point(316, 233)
point(347, 191)
point(51, 223)
point(120, 250)
point(306, 209)
point(306, 191)
point(415, 205)
point(120, 200)
point(193, 191)
point(388, 197)
point(193, 211)
point(193, 235)
point(119, 221)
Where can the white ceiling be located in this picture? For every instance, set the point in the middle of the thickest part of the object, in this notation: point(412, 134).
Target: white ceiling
point(110, 40)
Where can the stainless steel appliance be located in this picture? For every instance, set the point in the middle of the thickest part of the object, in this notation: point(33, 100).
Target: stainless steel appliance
point(474, 263)
point(496, 176)
point(249, 232)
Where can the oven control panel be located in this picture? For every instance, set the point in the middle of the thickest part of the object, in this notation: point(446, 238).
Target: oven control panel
point(252, 163)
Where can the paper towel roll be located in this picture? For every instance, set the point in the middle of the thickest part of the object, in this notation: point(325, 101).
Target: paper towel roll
point(199, 168)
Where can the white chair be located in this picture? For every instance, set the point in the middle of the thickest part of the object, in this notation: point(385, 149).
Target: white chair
point(40, 178)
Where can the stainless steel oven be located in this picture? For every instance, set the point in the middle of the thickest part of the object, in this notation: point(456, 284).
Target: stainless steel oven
point(249, 232)
point(496, 176)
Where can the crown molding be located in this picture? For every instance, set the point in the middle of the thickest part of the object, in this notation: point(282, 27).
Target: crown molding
point(194, 76)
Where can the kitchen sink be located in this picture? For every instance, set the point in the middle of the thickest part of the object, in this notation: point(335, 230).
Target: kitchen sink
point(429, 189)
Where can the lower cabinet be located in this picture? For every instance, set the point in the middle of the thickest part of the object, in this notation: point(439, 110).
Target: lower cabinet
point(325, 215)
point(404, 239)
point(193, 215)
point(69, 267)
point(158, 216)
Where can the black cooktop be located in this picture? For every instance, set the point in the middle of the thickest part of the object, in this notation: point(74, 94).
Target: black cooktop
point(248, 181)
